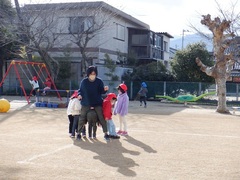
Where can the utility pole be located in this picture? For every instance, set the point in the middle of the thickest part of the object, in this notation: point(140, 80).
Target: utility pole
point(183, 31)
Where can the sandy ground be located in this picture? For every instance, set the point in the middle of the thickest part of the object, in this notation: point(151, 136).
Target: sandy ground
point(165, 141)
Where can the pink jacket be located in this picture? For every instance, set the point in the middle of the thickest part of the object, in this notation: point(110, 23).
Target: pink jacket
point(121, 106)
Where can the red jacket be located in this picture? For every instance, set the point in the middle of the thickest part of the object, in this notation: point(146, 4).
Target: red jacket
point(107, 109)
point(48, 83)
point(107, 106)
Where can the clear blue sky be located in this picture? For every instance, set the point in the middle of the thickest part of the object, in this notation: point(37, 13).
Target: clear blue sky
point(170, 16)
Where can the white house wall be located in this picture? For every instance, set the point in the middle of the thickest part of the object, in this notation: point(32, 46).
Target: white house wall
point(106, 41)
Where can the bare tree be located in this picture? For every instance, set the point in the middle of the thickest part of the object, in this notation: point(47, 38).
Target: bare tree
point(224, 31)
point(37, 27)
point(42, 23)
point(224, 59)
point(7, 15)
point(90, 20)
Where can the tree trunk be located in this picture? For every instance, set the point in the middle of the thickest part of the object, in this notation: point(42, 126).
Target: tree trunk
point(18, 11)
point(1, 71)
point(221, 93)
point(52, 64)
point(83, 68)
point(84, 63)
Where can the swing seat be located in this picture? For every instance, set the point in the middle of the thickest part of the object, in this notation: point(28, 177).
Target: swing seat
point(48, 92)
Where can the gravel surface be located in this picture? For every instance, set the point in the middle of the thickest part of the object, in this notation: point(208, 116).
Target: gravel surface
point(166, 141)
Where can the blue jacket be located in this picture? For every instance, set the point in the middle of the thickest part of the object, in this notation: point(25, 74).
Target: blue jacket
point(91, 92)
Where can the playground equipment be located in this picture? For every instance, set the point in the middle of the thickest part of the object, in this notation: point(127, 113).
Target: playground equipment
point(186, 98)
point(40, 70)
point(4, 105)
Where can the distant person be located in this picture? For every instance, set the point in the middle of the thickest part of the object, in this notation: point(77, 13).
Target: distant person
point(90, 92)
point(121, 109)
point(108, 103)
point(35, 85)
point(143, 94)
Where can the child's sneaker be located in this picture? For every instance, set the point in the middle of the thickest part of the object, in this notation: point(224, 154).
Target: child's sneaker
point(119, 132)
point(124, 133)
point(84, 134)
point(115, 137)
point(106, 137)
point(79, 137)
point(72, 136)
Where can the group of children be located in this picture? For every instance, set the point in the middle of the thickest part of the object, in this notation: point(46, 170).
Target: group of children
point(35, 85)
point(112, 104)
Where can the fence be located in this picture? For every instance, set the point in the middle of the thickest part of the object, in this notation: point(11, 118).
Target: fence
point(172, 89)
point(175, 89)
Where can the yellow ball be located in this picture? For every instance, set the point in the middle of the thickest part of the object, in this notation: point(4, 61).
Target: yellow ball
point(4, 105)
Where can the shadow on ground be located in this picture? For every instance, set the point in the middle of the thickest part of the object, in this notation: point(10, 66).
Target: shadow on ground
point(140, 144)
point(111, 154)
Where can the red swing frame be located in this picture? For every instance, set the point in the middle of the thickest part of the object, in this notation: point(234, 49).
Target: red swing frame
point(42, 66)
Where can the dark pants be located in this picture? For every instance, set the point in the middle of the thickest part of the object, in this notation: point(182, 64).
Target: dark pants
point(70, 118)
point(143, 99)
point(92, 123)
point(35, 91)
point(83, 118)
point(75, 124)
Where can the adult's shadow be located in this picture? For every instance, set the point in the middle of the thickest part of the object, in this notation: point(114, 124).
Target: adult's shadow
point(111, 154)
point(140, 144)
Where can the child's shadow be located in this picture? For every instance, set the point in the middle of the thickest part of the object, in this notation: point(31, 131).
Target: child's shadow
point(140, 144)
point(111, 154)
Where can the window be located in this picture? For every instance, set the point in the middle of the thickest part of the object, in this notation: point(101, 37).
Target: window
point(139, 39)
point(120, 32)
point(62, 25)
point(140, 52)
point(165, 46)
point(80, 24)
point(158, 41)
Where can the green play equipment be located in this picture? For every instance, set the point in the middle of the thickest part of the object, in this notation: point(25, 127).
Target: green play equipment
point(186, 98)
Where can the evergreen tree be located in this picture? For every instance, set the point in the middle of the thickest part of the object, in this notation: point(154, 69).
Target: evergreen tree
point(184, 66)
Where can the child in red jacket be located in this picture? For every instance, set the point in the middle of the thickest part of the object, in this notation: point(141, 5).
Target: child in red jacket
point(48, 85)
point(108, 103)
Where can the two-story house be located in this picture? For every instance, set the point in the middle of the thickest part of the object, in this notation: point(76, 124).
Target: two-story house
point(110, 31)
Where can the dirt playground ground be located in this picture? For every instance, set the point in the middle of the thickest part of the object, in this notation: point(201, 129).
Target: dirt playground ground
point(165, 142)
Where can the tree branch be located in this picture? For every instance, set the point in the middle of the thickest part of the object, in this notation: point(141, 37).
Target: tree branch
point(204, 68)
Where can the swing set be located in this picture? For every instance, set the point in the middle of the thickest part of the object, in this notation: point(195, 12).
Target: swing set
point(40, 70)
